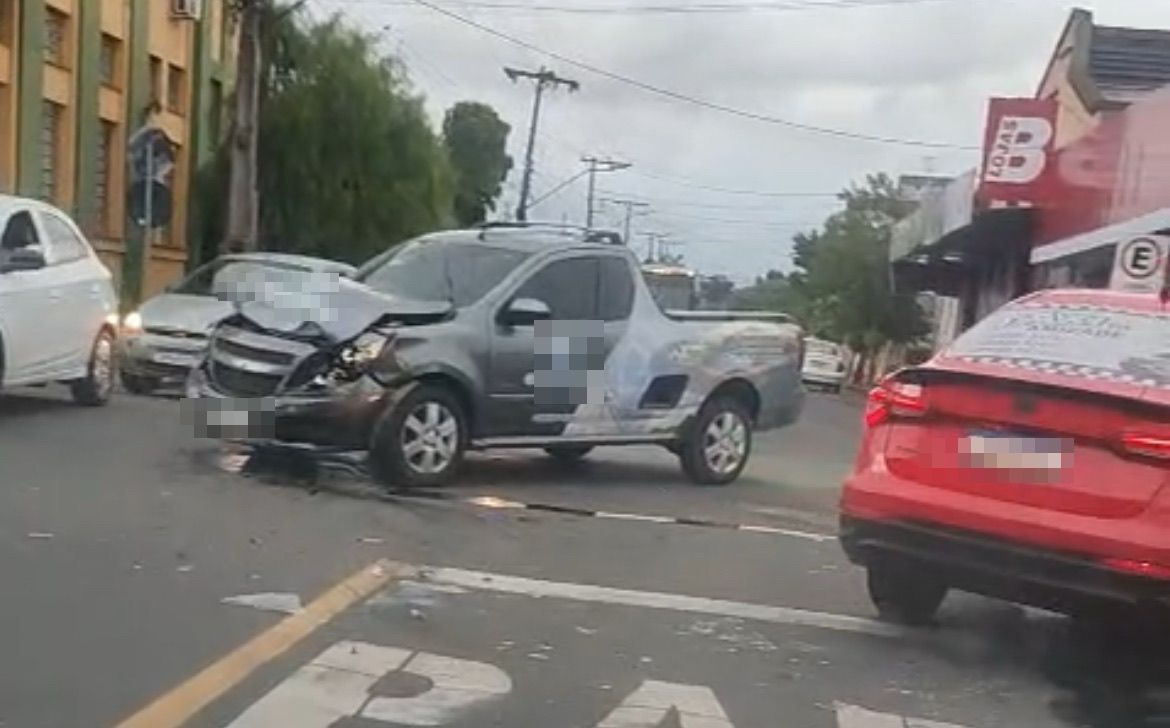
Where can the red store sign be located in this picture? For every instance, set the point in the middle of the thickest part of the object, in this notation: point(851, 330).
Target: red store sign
point(1017, 152)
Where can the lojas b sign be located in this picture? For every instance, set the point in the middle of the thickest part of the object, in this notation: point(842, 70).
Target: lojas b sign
point(1017, 152)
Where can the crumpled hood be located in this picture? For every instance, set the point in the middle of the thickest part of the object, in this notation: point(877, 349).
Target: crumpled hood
point(184, 312)
point(340, 307)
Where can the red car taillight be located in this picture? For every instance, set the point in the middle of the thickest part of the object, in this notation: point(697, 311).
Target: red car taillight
point(1137, 567)
point(1150, 443)
point(894, 399)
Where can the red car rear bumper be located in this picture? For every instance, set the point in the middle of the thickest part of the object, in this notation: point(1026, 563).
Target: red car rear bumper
point(1023, 574)
point(1042, 558)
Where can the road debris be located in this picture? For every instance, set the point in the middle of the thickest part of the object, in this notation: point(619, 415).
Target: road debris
point(372, 540)
point(285, 602)
point(41, 535)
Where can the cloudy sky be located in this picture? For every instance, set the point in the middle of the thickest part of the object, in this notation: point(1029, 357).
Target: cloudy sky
point(731, 191)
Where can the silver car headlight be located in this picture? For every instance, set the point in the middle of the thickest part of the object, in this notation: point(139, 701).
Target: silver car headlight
point(364, 349)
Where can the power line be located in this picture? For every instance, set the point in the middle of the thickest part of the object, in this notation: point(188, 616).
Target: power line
point(733, 221)
point(678, 96)
point(683, 182)
point(655, 200)
point(723, 8)
point(558, 188)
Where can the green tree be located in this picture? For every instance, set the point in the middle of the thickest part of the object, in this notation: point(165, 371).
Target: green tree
point(842, 283)
point(476, 140)
point(348, 161)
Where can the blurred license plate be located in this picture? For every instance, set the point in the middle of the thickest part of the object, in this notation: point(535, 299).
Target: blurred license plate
point(174, 359)
point(1004, 451)
point(233, 418)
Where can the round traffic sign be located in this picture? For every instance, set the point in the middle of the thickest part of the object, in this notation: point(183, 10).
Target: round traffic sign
point(1141, 258)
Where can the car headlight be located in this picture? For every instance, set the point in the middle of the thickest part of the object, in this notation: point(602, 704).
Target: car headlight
point(364, 349)
point(132, 324)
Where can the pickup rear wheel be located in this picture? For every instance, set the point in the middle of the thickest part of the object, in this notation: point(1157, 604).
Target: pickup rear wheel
point(420, 439)
point(719, 444)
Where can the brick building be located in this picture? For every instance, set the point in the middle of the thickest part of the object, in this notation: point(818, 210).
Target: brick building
point(77, 77)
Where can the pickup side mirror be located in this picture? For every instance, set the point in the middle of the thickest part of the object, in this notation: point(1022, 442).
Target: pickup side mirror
point(22, 259)
point(525, 312)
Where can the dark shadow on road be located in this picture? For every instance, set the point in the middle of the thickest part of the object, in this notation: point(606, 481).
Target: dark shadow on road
point(1111, 673)
point(27, 404)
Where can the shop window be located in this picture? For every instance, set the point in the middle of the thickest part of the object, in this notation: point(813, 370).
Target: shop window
point(103, 169)
point(111, 61)
point(51, 120)
point(176, 88)
point(56, 37)
point(156, 78)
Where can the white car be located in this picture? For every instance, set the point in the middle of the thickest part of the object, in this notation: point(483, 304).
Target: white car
point(824, 364)
point(58, 309)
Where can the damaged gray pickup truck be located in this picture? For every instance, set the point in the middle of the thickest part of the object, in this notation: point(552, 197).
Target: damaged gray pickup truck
point(504, 336)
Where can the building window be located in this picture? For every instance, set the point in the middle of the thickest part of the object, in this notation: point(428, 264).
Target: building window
point(7, 21)
point(176, 80)
point(56, 37)
point(105, 152)
point(156, 79)
point(110, 61)
point(50, 149)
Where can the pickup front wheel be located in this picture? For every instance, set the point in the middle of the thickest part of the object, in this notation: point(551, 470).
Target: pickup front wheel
point(718, 445)
point(419, 440)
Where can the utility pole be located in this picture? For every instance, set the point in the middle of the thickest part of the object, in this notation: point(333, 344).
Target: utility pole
point(629, 205)
point(598, 165)
point(651, 240)
point(243, 203)
point(243, 215)
point(544, 78)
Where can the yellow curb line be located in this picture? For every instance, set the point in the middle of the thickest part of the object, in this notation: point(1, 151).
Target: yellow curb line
point(182, 702)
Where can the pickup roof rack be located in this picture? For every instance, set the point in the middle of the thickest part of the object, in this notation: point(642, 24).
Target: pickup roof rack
point(605, 237)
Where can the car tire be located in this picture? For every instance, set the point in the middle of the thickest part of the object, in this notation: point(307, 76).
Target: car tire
point(94, 390)
point(420, 439)
point(719, 443)
point(905, 595)
point(138, 384)
point(568, 454)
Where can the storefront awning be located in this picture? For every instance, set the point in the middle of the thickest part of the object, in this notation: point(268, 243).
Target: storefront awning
point(1110, 234)
point(941, 265)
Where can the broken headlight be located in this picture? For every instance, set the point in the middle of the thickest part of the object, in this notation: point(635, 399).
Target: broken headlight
point(363, 350)
point(352, 360)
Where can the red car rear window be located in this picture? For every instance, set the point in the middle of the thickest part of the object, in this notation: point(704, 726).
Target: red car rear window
point(1093, 342)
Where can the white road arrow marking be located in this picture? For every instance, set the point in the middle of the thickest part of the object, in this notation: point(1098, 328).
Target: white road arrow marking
point(653, 701)
point(852, 716)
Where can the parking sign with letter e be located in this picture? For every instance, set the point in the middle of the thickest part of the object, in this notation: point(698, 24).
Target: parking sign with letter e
point(1140, 264)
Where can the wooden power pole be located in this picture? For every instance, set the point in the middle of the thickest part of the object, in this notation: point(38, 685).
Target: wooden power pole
point(243, 193)
point(544, 78)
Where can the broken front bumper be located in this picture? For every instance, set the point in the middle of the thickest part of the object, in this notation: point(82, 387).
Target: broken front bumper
point(340, 416)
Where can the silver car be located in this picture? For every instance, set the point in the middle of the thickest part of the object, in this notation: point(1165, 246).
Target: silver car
point(167, 335)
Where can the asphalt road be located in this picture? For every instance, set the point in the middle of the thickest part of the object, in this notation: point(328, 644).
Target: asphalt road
point(121, 537)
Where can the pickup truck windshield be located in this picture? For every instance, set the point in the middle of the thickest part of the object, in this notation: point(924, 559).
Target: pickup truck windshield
point(429, 270)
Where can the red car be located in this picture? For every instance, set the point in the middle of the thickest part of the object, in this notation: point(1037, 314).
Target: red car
point(1029, 461)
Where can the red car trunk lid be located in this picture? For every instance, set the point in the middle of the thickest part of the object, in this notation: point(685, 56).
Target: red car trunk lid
point(1037, 446)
